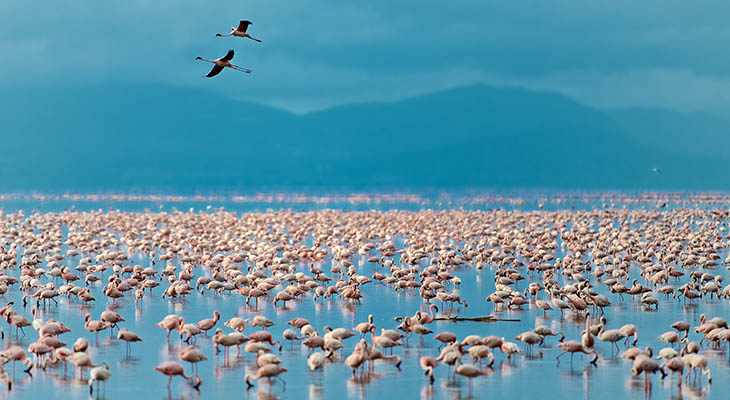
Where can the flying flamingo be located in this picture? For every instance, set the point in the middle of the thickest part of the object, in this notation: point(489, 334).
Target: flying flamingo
point(240, 31)
point(221, 63)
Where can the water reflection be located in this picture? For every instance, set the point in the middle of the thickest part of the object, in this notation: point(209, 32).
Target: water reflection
point(692, 391)
point(224, 378)
point(427, 391)
point(316, 392)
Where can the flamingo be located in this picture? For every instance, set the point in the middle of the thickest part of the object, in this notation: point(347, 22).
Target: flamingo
point(240, 31)
point(588, 340)
point(17, 353)
point(99, 374)
point(611, 335)
point(37, 322)
point(191, 330)
point(572, 347)
point(444, 338)
point(61, 354)
point(94, 326)
point(224, 340)
point(468, 371)
point(697, 361)
point(316, 360)
point(265, 337)
point(268, 371)
point(170, 323)
point(421, 330)
point(261, 321)
point(479, 352)
point(428, 318)
point(112, 318)
point(376, 354)
point(645, 364)
point(356, 360)
point(172, 368)
point(428, 364)
point(193, 356)
point(291, 335)
point(314, 342)
point(128, 337)
point(384, 341)
point(236, 323)
point(221, 63)
point(209, 323)
point(80, 345)
point(365, 327)
point(81, 361)
point(682, 326)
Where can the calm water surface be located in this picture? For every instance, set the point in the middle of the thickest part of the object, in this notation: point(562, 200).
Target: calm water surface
point(533, 376)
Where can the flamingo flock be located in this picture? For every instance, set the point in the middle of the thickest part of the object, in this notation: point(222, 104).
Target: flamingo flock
point(572, 267)
point(225, 62)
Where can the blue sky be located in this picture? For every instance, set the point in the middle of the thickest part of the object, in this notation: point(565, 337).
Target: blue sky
point(315, 54)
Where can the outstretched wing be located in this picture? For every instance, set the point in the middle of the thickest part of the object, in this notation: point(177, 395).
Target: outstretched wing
point(228, 56)
point(243, 25)
point(215, 71)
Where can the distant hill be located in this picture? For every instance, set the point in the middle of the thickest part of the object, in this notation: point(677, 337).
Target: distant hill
point(180, 139)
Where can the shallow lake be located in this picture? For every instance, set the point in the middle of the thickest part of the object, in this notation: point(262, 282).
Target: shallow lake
point(527, 376)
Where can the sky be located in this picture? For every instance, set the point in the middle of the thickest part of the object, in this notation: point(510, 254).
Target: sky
point(318, 54)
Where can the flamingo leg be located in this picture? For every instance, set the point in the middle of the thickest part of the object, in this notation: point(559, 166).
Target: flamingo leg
point(248, 71)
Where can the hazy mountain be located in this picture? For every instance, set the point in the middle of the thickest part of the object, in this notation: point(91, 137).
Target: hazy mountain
point(676, 133)
point(179, 139)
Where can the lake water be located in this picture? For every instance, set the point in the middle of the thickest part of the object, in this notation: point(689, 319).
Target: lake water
point(535, 376)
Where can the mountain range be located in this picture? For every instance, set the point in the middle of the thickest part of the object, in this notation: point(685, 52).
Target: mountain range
point(151, 137)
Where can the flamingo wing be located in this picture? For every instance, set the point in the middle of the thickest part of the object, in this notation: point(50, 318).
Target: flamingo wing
point(228, 56)
point(243, 25)
point(215, 71)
